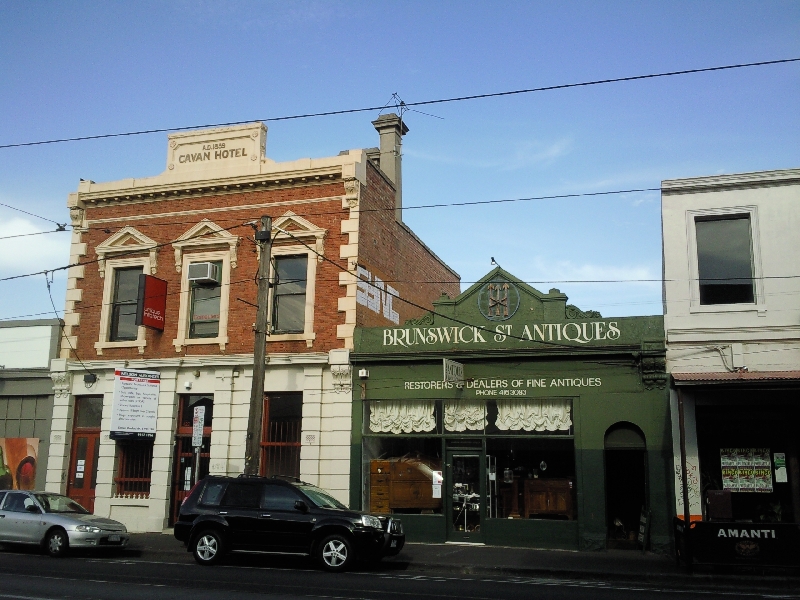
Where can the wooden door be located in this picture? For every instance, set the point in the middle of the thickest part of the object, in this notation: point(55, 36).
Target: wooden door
point(82, 474)
point(184, 461)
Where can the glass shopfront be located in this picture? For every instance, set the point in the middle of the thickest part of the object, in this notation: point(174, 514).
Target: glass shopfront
point(471, 462)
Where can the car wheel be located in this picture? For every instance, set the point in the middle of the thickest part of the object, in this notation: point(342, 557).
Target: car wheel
point(335, 553)
point(208, 547)
point(56, 544)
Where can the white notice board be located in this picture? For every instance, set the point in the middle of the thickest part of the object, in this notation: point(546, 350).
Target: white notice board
point(135, 407)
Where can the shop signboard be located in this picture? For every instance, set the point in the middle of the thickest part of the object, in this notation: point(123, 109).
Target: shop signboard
point(135, 406)
point(198, 419)
point(453, 371)
point(151, 302)
point(725, 542)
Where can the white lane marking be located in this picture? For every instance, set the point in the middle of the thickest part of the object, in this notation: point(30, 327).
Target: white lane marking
point(26, 597)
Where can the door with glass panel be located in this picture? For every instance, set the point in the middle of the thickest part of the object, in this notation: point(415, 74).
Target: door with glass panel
point(82, 475)
point(465, 495)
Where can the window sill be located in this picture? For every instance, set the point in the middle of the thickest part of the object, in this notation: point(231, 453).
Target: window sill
point(181, 342)
point(140, 343)
point(293, 337)
point(726, 308)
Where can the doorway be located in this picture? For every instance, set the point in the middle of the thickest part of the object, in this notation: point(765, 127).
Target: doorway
point(85, 450)
point(465, 495)
point(626, 484)
point(185, 459)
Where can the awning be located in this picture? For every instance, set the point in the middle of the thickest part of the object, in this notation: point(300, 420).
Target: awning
point(736, 376)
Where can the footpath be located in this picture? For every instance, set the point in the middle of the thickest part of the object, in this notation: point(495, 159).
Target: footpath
point(620, 567)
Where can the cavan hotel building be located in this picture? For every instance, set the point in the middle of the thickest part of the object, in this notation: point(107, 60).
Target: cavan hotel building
point(161, 307)
point(508, 416)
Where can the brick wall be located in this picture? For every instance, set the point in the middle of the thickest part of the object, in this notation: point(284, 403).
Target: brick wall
point(389, 249)
point(223, 210)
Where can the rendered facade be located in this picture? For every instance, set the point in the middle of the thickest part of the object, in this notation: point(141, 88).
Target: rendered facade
point(732, 319)
point(555, 435)
point(341, 257)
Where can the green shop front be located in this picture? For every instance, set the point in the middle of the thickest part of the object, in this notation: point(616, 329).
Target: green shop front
point(506, 416)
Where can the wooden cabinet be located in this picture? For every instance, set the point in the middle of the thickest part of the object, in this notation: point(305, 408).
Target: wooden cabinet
point(401, 484)
point(549, 497)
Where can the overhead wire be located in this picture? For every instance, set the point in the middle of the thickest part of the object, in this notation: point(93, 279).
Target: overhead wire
point(407, 105)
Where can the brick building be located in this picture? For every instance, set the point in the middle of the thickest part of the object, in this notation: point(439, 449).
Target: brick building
point(341, 258)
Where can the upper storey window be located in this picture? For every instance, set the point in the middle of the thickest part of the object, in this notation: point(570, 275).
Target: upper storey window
point(123, 309)
point(205, 306)
point(289, 299)
point(725, 260)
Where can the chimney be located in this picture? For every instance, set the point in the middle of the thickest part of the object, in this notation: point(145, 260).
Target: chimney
point(391, 130)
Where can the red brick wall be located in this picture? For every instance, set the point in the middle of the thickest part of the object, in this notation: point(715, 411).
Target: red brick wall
point(327, 215)
point(389, 250)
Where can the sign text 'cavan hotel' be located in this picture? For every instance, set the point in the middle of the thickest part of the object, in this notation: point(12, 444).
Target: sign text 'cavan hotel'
point(215, 151)
point(572, 331)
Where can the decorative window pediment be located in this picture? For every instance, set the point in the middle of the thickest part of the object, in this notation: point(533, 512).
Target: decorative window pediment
point(127, 240)
point(299, 229)
point(205, 235)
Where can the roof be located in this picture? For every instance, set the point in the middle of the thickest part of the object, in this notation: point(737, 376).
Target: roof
point(725, 377)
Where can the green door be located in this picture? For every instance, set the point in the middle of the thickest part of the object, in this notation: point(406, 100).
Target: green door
point(464, 489)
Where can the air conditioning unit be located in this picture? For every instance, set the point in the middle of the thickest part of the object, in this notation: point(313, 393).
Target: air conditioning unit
point(204, 273)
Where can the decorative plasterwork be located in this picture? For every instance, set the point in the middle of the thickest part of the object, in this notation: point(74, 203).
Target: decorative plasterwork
point(352, 188)
point(299, 229)
point(61, 383)
point(205, 234)
point(341, 378)
point(127, 240)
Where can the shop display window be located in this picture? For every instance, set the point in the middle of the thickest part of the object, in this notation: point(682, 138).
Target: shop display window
point(531, 479)
point(399, 474)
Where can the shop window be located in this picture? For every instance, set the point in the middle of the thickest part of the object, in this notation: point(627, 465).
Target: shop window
point(123, 326)
point(289, 294)
point(280, 434)
point(399, 475)
point(725, 260)
point(88, 411)
point(530, 479)
point(134, 468)
point(204, 310)
point(402, 416)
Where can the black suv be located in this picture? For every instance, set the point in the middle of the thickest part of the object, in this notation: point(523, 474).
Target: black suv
point(276, 515)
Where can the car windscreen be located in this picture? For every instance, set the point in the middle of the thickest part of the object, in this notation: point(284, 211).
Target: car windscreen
point(53, 503)
point(321, 498)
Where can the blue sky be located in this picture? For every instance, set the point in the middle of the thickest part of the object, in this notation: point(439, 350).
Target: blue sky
point(83, 68)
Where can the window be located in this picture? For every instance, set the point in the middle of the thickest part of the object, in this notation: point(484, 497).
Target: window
point(278, 497)
point(205, 308)
point(280, 435)
point(725, 260)
point(16, 502)
point(134, 467)
point(289, 298)
point(243, 495)
point(123, 307)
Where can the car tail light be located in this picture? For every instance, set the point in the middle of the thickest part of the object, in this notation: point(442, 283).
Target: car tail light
point(186, 497)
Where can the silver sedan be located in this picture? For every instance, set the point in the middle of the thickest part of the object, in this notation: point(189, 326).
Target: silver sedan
point(56, 523)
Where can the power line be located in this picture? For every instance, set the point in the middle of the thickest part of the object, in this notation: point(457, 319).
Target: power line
point(61, 226)
point(410, 104)
point(19, 235)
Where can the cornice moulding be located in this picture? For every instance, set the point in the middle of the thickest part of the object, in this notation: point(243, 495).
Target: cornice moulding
point(724, 182)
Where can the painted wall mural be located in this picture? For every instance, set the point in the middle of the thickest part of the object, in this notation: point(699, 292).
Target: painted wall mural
point(18, 463)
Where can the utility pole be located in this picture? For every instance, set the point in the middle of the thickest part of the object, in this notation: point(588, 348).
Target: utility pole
point(253, 452)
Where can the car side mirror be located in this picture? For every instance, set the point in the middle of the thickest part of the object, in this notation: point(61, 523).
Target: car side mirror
point(32, 508)
point(301, 506)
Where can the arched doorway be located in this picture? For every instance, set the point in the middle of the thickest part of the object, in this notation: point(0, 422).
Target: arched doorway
point(626, 483)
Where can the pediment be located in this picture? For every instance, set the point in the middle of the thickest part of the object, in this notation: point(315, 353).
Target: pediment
point(125, 240)
point(499, 297)
point(297, 226)
point(290, 227)
point(205, 234)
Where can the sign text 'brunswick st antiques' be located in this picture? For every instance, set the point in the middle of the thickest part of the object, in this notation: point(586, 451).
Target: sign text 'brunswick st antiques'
point(572, 331)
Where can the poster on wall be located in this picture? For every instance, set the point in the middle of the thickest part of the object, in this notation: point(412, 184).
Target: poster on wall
point(746, 469)
point(135, 407)
point(18, 463)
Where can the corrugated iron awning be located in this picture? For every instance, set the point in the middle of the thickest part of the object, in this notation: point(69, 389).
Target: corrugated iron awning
point(736, 376)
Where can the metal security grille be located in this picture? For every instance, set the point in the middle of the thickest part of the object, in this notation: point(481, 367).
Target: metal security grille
point(280, 435)
point(134, 468)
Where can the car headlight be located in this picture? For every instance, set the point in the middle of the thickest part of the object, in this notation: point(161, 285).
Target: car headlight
point(87, 529)
point(370, 521)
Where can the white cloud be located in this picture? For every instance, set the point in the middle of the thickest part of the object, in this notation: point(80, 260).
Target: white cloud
point(31, 253)
point(522, 155)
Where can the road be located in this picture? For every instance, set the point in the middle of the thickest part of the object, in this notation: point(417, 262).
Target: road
point(25, 574)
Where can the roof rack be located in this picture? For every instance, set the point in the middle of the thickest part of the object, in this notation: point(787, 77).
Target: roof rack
point(290, 478)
